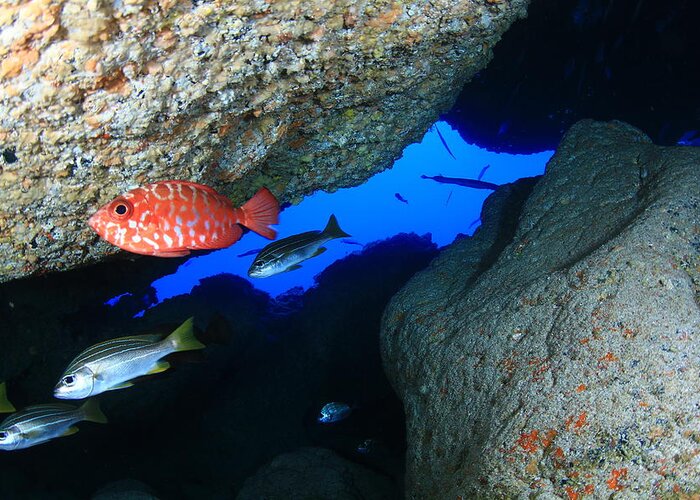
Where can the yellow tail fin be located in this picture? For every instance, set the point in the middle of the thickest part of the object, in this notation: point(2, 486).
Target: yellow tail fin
point(183, 338)
point(92, 412)
point(5, 405)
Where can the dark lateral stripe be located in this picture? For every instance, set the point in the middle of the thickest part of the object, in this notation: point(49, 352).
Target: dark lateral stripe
point(103, 349)
point(290, 244)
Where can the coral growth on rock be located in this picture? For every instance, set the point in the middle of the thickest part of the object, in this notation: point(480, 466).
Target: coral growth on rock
point(97, 97)
point(556, 353)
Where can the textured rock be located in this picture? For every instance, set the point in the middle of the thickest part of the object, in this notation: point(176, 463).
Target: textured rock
point(315, 473)
point(556, 351)
point(97, 97)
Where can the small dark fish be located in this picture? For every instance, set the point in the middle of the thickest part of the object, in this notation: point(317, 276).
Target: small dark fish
point(471, 183)
point(475, 222)
point(286, 254)
point(40, 423)
point(334, 412)
point(365, 446)
point(250, 252)
point(444, 142)
point(353, 242)
point(504, 127)
point(483, 171)
point(448, 198)
point(401, 198)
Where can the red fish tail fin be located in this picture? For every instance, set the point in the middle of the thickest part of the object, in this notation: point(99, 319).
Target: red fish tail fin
point(259, 212)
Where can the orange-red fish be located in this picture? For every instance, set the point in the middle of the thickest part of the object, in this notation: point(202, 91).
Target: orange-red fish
point(170, 218)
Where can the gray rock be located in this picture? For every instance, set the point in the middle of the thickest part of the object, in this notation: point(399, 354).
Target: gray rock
point(556, 352)
point(316, 473)
point(126, 489)
point(99, 97)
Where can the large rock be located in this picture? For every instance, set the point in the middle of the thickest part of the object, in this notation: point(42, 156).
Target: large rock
point(98, 97)
point(315, 473)
point(557, 350)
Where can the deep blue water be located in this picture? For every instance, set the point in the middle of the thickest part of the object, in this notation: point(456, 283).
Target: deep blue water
point(372, 211)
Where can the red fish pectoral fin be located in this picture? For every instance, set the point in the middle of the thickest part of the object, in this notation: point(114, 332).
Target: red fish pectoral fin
point(259, 212)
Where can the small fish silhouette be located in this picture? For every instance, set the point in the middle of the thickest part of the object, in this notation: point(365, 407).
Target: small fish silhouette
point(401, 198)
point(471, 183)
point(444, 142)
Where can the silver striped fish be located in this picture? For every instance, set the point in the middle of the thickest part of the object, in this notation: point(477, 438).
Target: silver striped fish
point(286, 254)
point(38, 424)
point(113, 364)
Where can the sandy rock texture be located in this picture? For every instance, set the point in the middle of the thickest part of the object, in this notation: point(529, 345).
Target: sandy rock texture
point(556, 352)
point(97, 97)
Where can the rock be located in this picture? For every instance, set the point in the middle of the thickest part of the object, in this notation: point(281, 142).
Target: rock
point(99, 97)
point(555, 352)
point(126, 489)
point(586, 61)
point(316, 473)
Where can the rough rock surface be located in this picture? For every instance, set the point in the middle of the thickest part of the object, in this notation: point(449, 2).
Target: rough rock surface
point(97, 97)
point(315, 473)
point(559, 354)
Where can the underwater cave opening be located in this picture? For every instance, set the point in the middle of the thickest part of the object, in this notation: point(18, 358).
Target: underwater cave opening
point(397, 200)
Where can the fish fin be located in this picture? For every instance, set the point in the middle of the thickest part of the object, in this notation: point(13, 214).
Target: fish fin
point(123, 385)
point(92, 412)
point(159, 367)
point(173, 253)
point(183, 338)
point(318, 252)
point(69, 431)
point(333, 230)
point(292, 268)
point(5, 405)
point(260, 211)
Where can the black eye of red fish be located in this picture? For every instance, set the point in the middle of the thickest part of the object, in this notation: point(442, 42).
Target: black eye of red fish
point(121, 209)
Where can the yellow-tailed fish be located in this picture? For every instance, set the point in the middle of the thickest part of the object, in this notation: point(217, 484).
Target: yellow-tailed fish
point(40, 423)
point(5, 405)
point(113, 364)
point(286, 254)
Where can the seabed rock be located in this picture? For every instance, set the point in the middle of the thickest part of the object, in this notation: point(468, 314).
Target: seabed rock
point(558, 354)
point(98, 97)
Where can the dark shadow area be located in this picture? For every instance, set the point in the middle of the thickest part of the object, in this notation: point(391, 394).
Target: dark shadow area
point(200, 429)
point(630, 60)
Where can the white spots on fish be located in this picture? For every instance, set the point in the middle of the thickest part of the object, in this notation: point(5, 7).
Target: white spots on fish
point(178, 232)
point(180, 193)
point(193, 243)
point(191, 233)
point(217, 224)
point(178, 220)
point(207, 225)
point(168, 240)
point(132, 224)
point(166, 225)
point(152, 243)
point(215, 235)
point(156, 236)
point(201, 238)
point(194, 194)
point(171, 194)
point(171, 213)
point(145, 213)
point(183, 208)
point(136, 238)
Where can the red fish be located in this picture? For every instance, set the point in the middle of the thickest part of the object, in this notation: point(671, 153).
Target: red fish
point(170, 218)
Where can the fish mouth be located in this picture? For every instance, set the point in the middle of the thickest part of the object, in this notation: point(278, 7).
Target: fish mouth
point(59, 393)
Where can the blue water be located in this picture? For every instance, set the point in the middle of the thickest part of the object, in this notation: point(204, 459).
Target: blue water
point(372, 211)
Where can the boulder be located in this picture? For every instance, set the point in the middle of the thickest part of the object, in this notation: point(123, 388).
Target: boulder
point(99, 97)
point(555, 352)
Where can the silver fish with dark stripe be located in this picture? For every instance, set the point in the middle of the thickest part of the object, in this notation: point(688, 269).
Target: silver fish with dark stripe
point(286, 254)
point(38, 424)
point(114, 363)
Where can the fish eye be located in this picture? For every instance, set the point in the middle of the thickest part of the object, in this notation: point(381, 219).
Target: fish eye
point(3, 436)
point(69, 380)
point(121, 209)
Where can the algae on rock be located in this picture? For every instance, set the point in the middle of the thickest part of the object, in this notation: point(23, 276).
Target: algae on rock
point(98, 97)
point(555, 352)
